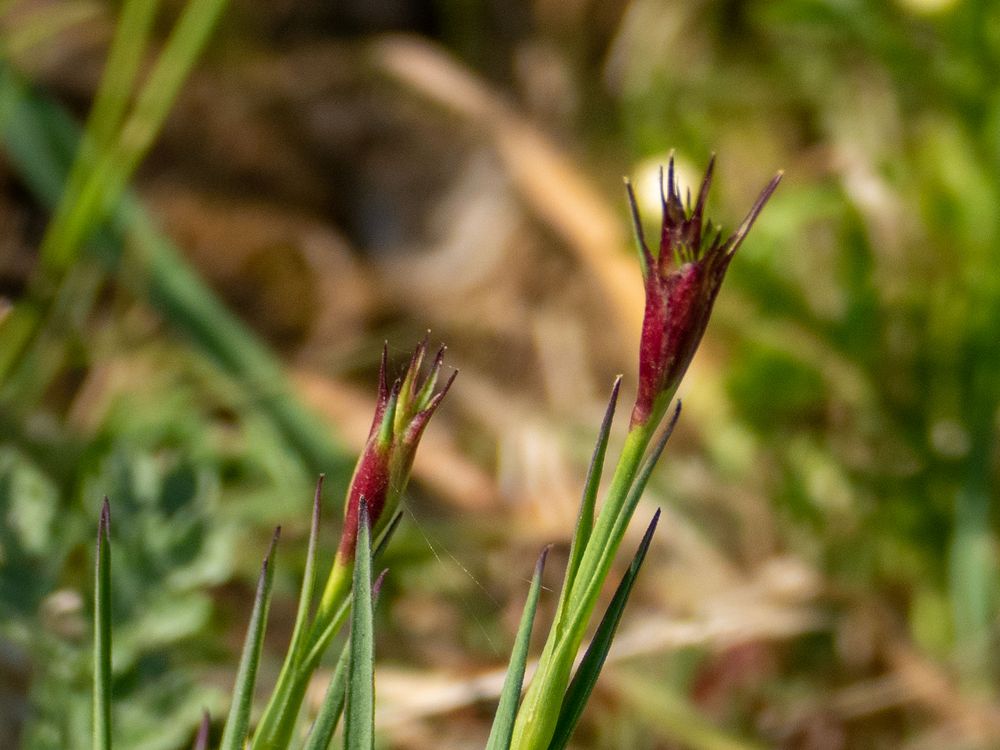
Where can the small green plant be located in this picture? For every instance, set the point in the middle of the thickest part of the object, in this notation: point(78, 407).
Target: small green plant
point(682, 281)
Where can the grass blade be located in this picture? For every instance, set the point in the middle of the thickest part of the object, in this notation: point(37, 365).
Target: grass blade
point(333, 701)
point(359, 731)
point(543, 702)
point(113, 95)
point(585, 518)
point(40, 138)
point(201, 739)
point(332, 707)
point(107, 179)
point(510, 695)
point(238, 722)
point(278, 721)
point(582, 610)
point(102, 633)
point(587, 673)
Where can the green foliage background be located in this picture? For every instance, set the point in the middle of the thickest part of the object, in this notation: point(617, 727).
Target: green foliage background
point(849, 386)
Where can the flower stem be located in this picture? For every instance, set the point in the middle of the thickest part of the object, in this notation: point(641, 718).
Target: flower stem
point(539, 711)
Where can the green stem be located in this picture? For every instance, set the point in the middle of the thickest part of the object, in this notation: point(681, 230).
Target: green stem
point(274, 730)
point(536, 720)
point(622, 479)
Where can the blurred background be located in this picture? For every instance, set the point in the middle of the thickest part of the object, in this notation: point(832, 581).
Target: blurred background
point(333, 175)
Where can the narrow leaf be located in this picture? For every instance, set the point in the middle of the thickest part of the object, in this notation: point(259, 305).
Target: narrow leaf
point(359, 731)
point(109, 176)
point(590, 667)
point(125, 57)
point(102, 633)
point(309, 574)
point(278, 720)
point(543, 702)
point(581, 614)
point(510, 695)
point(585, 519)
point(332, 707)
point(201, 739)
point(323, 640)
point(386, 537)
point(238, 722)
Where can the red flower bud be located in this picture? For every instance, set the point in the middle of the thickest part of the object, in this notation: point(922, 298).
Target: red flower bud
point(401, 414)
point(682, 282)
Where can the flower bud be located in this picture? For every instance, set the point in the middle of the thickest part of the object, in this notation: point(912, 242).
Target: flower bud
point(401, 414)
point(682, 282)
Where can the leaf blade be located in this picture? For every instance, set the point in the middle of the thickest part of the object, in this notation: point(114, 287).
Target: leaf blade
point(102, 633)
point(359, 729)
point(503, 721)
point(278, 720)
point(238, 721)
point(332, 707)
point(582, 685)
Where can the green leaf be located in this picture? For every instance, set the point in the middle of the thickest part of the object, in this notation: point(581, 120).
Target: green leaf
point(592, 587)
point(333, 701)
point(542, 703)
point(114, 93)
point(38, 135)
point(238, 723)
point(108, 176)
point(333, 705)
point(102, 633)
point(201, 739)
point(585, 519)
point(278, 721)
point(359, 731)
point(587, 673)
point(510, 695)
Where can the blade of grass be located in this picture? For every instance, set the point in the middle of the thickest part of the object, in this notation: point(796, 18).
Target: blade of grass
point(40, 139)
point(332, 707)
point(110, 103)
point(359, 729)
point(510, 695)
point(593, 660)
point(102, 633)
point(287, 703)
point(324, 633)
point(113, 169)
point(238, 722)
point(585, 519)
point(278, 720)
point(583, 609)
point(201, 739)
point(581, 536)
point(542, 704)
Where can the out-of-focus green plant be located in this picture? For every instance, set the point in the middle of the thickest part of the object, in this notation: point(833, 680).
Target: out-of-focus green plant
point(132, 455)
point(179, 547)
